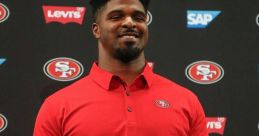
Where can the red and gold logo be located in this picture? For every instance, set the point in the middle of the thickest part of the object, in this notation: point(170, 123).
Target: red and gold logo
point(162, 103)
point(204, 72)
point(63, 69)
point(4, 12)
point(3, 122)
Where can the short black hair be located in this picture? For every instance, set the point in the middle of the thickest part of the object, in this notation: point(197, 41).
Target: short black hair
point(98, 4)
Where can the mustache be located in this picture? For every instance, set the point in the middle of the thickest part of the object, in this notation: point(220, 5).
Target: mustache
point(131, 32)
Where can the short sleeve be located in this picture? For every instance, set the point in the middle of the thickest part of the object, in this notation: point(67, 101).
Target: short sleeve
point(48, 121)
point(198, 125)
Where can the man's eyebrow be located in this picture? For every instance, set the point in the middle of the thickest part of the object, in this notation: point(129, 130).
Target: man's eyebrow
point(140, 12)
point(120, 11)
point(115, 11)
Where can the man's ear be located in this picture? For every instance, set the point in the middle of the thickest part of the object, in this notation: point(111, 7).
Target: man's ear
point(96, 30)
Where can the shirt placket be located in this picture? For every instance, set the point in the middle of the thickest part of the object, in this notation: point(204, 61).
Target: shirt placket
point(131, 126)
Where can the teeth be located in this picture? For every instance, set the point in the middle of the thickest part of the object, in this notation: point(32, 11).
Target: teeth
point(129, 36)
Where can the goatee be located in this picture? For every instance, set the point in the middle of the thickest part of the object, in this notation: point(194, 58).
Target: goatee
point(128, 53)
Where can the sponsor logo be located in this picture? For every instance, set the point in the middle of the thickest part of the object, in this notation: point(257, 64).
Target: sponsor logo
point(149, 18)
point(4, 12)
point(64, 14)
point(162, 104)
point(2, 60)
point(151, 64)
point(257, 19)
point(3, 122)
point(204, 72)
point(200, 18)
point(216, 124)
point(63, 69)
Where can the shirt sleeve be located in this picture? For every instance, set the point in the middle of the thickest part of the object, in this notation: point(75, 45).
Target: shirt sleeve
point(198, 125)
point(48, 121)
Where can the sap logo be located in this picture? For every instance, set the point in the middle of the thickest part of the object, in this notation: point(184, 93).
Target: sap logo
point(200, 19)
point(2, 60)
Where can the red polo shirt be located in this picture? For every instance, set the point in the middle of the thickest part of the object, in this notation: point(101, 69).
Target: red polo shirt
point(101, 104)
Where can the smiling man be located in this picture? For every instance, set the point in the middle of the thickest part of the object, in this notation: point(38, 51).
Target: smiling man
point(121, 96)
point(122, 33)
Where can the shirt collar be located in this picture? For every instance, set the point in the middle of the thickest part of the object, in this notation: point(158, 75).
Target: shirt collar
point(105, 78)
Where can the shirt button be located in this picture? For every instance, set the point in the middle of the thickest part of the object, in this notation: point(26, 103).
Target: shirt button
point(127, 93)
point(129, 109)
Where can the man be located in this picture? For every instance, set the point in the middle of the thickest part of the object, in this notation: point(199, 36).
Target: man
point(121, 96)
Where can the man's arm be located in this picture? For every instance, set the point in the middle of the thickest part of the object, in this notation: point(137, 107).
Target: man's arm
point(48, 121)
point(198, 125)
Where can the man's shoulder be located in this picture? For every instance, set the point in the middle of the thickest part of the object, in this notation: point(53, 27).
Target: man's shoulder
point(70, 91)
point(171, 87)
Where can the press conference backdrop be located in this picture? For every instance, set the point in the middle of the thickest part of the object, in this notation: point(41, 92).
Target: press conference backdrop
point(208, 46)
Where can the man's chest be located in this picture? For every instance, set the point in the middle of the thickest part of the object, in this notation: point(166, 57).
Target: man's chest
point(151, 116)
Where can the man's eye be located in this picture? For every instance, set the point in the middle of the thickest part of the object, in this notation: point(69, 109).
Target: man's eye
point(140, 18)
point(115, 17)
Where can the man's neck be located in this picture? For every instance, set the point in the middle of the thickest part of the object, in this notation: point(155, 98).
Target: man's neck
point(126, 71)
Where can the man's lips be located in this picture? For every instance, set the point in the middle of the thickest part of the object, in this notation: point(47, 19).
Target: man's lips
point(129, 34)
point(128, 37)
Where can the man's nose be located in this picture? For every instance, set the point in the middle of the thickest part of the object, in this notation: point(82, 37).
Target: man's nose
point(129, 23)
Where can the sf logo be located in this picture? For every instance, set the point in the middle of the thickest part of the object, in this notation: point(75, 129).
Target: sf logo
point(205, 72)
point(64, 69)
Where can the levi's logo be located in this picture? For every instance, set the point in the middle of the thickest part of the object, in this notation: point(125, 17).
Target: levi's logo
point(64, 14)
point(216, 124)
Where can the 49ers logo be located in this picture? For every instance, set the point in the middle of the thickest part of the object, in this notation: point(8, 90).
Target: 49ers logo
point(204, 72)
point(4, 12)
point(63, 14)
point(257, 19)
point(63, 69)
point(216, 124)
point(151, 64)
point(163, 104)
point(3, 122)
point(149, 18)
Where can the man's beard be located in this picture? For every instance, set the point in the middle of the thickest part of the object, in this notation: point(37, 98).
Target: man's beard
point(128, 53)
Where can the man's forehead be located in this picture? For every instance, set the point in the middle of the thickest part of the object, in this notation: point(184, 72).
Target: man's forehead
point(120, 4)
point(108, 5)
point(124, 8)
point(105, 1)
